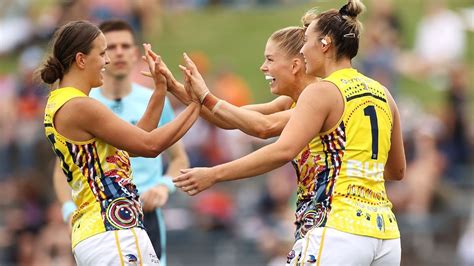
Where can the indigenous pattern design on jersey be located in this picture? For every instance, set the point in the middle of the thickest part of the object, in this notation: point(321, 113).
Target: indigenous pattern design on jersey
point(147, 172)
point(340, 172)
point(99, 175)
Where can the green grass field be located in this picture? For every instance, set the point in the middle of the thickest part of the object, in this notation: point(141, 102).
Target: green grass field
point(235, 39)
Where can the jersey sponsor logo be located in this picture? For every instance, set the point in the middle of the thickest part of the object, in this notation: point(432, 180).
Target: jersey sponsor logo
point(365, 193)
point(370, 170)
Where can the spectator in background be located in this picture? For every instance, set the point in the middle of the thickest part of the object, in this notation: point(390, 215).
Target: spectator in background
point(464, 249)
point(277, 214)
point(16, 26)
point(8, 114)
point(380, 46)
point(31, 97)
point(455, 142)
point(52, 247)
point(439, 42)
point(71, 10)
point(440, 36)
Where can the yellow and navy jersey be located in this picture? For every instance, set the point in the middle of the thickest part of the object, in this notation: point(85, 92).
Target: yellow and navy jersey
point(99, 175)
point(340, 172)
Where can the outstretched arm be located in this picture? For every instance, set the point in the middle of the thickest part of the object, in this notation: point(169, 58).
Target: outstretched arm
point(228, 116)
point(310, 110)
point(74, 118)
point(151, 117)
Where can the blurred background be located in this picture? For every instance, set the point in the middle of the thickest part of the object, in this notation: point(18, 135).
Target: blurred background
point(422, 50)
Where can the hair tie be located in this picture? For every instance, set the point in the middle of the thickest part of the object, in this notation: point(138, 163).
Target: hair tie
point(344, 11)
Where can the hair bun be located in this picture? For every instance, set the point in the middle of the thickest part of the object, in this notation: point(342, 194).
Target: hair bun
point(52, 70)
point(352, 8)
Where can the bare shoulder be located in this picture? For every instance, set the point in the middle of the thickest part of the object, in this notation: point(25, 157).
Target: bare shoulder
point(391, 101)
point(320, 91)
point(84, 107)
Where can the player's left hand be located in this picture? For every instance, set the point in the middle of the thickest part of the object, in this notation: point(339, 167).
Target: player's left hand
point(194, 78)
point(154, 198)
point(153, 60)
point(195, 180)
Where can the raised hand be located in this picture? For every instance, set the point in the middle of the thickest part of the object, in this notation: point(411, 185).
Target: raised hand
point(195, 180)
point(173, 86)
point(153, 60)
point(195, 80)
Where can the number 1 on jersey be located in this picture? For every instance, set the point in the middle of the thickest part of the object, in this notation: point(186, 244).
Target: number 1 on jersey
point(370, 112)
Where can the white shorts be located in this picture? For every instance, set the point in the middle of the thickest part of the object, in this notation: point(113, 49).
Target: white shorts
point(120, 247)
point(327, 246)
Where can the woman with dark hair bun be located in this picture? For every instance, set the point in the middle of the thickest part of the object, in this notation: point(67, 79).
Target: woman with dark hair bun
point(93, 147)
point(344, 140)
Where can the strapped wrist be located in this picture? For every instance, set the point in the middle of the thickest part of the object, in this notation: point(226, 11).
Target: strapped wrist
point(217, 106)
point(210, 101)
point(203, 97)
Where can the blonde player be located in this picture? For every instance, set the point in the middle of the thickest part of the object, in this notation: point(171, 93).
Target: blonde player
point(285, 71)
point(92, 144)
point(344, 140)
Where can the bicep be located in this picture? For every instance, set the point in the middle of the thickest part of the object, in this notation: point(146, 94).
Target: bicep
point(277, 122)
point(113, 130)
point(311, 110)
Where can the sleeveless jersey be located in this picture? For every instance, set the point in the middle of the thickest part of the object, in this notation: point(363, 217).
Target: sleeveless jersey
point(340, 172)
point(99, 175)
point(147, 172)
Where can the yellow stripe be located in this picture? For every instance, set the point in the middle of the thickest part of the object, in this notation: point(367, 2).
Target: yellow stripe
point(321, 247)
point(118, 247)
point(138, 247)
point(307, 244)
point(296, 261)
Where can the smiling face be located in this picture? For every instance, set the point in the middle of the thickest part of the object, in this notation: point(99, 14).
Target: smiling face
point(96, 61)
point(312, 51)
point(277, 68)
point(122, 52)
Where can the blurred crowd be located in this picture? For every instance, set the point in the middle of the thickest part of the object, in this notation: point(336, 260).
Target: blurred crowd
point(434, 203)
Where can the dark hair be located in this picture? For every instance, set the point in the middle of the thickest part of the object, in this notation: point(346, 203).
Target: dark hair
point(116, 25)
point(72, 38)
point(343, 27)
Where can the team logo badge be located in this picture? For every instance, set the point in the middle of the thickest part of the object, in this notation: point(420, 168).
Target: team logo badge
point(122, 213)
point(131, 258)
point(311, 259)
